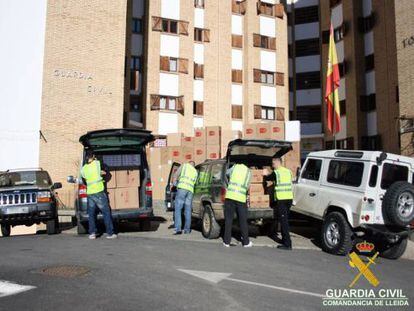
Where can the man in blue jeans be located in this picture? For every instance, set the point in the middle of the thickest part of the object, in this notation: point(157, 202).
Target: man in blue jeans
point(185, 181)
point(97, 199)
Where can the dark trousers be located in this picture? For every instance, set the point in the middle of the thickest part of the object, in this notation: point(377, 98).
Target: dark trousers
point(283, 208)
point(230, 207)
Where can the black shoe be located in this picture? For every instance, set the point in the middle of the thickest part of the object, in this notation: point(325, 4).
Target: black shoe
point(177, 232)
point(284, 247)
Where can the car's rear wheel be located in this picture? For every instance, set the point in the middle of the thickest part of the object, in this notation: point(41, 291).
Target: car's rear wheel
point(81, 228)
point(52, 226)
point(209, 226)
point(336, 234)
point(5, 230)
point(396, 250)
point(398, 204)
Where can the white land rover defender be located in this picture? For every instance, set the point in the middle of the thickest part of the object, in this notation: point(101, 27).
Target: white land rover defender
point(358, 194)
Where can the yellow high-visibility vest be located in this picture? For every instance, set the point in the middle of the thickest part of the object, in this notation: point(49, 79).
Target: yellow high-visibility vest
point(283, 186)
point(92, 174)
point(238, 183)
point(188, 177)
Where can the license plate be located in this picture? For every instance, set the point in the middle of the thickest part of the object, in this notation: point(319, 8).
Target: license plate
point(17, 210)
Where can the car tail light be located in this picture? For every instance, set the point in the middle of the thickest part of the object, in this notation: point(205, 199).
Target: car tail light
point(223, 194)
point(148, 188)
point(366, 217)
point(44, 197)
point(82, 192)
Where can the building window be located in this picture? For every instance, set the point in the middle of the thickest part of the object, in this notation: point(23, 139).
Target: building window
point(365, 24)
point(307, 47)
point(305, 15)
point(237, 41)
point(268, 77)
point(198, 71)
point(308, 80)
point(264, 42)
point(137, 25)
point(339, 33)
point(333, 3)
point(342, 68)
point(346, 144)
point(371, 142)
point(265, 8)
point(199, 4)
point(309, 114)
point(198, 108)
point(201, 35)
point(237, 76)
point(238, 7)
point(264, 112)
point(369, 62)
point(236, 112)
point(368, 102)
point(342, 107)
point(134, 80)
point(169, 26)
point(169, 103)
point(172, 64)
point(136, 63)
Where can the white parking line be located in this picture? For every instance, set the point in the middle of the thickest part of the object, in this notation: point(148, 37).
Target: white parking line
point(8, 288)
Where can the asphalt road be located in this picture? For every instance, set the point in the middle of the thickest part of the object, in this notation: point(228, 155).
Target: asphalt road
point(141, 273)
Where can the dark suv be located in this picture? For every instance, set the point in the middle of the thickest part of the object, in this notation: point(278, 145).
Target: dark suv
point(117, 149)
point(209, 193)
point(27, 197)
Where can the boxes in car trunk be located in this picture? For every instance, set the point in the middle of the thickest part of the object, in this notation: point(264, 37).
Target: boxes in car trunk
point(255, 189)
point(199, 153)
point(274, 130)
point(126, 198)
point(257, 176)
point(200, 137)
point(127, 178)
point(259, 201)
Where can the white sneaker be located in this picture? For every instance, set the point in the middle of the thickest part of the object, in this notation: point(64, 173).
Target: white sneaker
point(249, 245)
point(111, 237)
point(226, 245)
point(92, 236)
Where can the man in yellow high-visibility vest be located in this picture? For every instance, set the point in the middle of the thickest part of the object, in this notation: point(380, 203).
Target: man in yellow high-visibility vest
point(186, 178)
point(97, 199)
point(235, 201)
point(283, 196)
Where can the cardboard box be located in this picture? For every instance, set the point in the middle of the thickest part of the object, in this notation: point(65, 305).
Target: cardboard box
point(127, 178)
point(259, 201)
point(213, 135)
point(200, 154)
point(111, 198)
point(257, 176)
point(213, 152)
point(110, 180)
point(249, 131)
point(126, 198)
point(158, 156)
point(187, 141)
point(187, 154)
point(174, 140)
point(255, 189)
point(277, 130)
point(175, 154)
point(200, 138)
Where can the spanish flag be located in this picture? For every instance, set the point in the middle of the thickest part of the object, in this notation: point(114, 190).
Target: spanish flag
point(332, 85)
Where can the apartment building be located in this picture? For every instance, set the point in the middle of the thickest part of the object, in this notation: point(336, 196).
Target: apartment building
point(373, 64)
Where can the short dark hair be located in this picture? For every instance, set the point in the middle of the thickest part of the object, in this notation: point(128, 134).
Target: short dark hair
point(89, 154)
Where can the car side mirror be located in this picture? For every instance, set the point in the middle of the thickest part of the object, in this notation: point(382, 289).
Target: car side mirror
point(57, 185)
point(72, 180)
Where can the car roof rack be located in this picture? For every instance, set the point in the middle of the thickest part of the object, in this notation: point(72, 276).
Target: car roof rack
point(24, 169)
point(349, 154)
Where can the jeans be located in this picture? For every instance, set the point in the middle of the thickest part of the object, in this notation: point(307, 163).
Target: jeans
point(184, 198)
point(283, 207)
point(99, 202)
point(231, 206)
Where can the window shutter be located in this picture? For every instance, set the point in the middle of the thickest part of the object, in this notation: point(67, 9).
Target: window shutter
point(257, 112)
point(156, 23)
point(259, 7)
point(234, 6)
point(280, 78)
point(272, 43)
point(164, 63)
point(237, 76)
point(183, 65)
point(242, 7)
point(155, 102)
point(236, 41)
point(134, 80)
point(183, 28)
point(198, 71)
point(206, 35)
point(256, 75)
point(256, 40)
point(236, 112)
point(280, 114)
point(279, 10)
point(199, 111)
point(180, 105)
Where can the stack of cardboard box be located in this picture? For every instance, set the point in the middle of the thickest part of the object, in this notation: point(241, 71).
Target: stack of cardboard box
point(271, 130)
point(258, 196)
point(123, 189)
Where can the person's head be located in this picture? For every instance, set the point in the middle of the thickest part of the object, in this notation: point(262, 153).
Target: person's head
point(90, 156)
point(192, 163)
point(276, 162)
